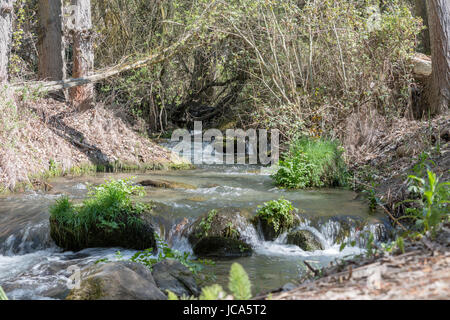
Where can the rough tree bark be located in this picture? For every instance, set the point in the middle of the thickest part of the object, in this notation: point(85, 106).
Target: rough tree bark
point(439, 21)
point(6, 11)
point(420, 7)
point(83, 55)
point(51, 40)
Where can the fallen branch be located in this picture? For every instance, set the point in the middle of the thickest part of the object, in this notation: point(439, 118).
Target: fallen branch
point(164, 54)
point(48, 86)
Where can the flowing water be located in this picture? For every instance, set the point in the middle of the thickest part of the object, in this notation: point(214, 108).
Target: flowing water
point(32, 267)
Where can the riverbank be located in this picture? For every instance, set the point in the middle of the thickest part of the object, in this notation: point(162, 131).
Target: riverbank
point(382, 164)
point(381, 168)
point(421, 272)
point(42, 138)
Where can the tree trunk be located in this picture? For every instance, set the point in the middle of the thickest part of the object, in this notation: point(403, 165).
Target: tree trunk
point(420, 7)
point(83, 56)
point(6, 11)
point(439, 21)
point(51, 41)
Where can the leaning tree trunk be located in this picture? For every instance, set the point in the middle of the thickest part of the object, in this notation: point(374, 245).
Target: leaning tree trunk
point(83, 55)
point(6, 11)
point(439, 21)
point(51, 41)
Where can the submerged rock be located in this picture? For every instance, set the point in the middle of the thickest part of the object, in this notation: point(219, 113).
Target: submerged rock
point(220, 233)
point(304, 239)
point(129, 235)
point(171, 275)
point(121, 280)
point(166, 184)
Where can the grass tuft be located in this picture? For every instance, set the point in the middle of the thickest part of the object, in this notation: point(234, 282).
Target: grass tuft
point(312, 163)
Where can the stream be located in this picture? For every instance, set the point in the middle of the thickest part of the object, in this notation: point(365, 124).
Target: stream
point(33, 267)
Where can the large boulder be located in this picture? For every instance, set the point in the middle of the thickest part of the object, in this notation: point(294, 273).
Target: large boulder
point(121, 280)
point(267, 229)
point(304, 239)
point(171, 275)
point(220, 233)
point(131, 235)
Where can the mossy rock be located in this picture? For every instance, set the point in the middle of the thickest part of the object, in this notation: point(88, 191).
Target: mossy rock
point(304, 239)
point(268, 230)
point(129, 234)
point(221, 247)
point(123, 280)
point(166, 184)
point(224, 229)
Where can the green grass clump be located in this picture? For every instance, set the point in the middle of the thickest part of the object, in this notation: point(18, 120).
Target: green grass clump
point(312, 163)
point(107, 209)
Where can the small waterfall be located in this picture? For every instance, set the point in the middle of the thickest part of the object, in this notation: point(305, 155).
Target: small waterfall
point(331, 233)
point(27, 240)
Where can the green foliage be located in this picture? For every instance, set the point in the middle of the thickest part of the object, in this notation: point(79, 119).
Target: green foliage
point(278, 213)
point(205, 223)
point(213, 292)
point(432, 203)
point(371, 196)
point(312, 163)
point(230, 231)
point(3, 294)
point(239, 286)
point(108, 206)
point(150, 258)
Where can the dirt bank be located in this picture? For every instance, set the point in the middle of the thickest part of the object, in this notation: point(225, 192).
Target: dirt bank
point(42, 137)
point(384, 160)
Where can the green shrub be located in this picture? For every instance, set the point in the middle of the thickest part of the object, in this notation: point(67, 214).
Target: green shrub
point(312, 163)
point(431, 203)
point(107, 208)
point(277, 213)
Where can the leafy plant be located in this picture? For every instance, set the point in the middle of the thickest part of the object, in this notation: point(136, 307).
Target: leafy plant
point(3, 294)
point(432, 202)
point(230, 231)
point(371, 196)
point(278, 213)
point(149, 258)
point(205, 223)
point(239, 285)
point(312, 163)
